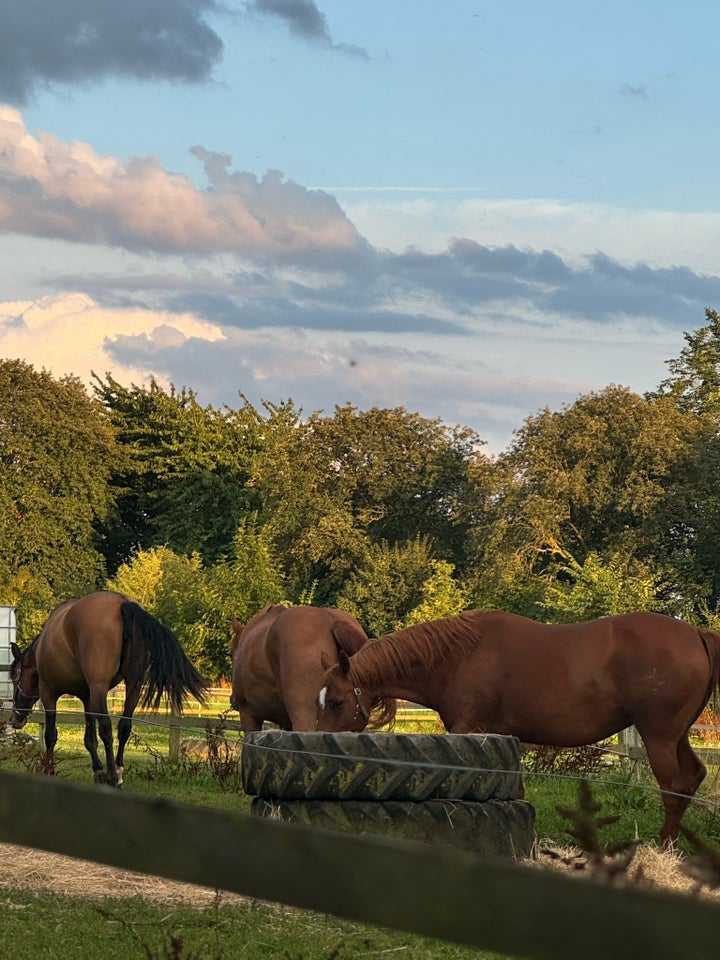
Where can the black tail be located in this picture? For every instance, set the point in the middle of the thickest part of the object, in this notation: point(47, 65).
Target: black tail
point(153, 651)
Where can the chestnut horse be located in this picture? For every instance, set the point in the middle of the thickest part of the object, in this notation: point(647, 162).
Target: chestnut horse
point(85, 648)
point(563, 685)
point(277, 667)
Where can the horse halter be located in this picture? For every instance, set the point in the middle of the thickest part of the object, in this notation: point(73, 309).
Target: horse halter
point(28, 697)
point(360, 706)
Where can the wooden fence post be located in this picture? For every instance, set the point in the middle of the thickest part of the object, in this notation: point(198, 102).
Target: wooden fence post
point(631, 743)
point(174, 736)
point(41, 724)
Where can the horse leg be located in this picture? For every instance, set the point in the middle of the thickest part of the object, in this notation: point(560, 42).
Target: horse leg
point(679, 772)
point(51, 735)
point(97, 703)
point(693, 770)
point(124, 727)
point(91, 744)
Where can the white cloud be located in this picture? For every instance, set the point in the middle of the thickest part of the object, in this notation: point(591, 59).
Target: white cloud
point(71, 334)
point(50, 188)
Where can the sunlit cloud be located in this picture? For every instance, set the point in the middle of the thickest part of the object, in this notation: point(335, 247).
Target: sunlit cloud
point(51, 188)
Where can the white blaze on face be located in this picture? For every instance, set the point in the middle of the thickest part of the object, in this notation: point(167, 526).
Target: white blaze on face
point(322, 697)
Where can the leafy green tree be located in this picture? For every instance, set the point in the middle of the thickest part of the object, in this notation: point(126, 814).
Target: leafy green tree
point(442, 596)
point(595, 477)
point(389, 584)
point(172, 588)
point(689, 529)
point(56, 457)
point(694, 381)
point(599, 588)
point(331, 487)
point(249, 578)
point(184, 479)
point(197, 602)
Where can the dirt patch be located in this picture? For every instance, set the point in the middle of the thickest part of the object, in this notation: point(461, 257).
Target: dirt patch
point(29, 869)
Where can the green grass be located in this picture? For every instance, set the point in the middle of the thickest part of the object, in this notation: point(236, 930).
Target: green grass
point(70, 926)
point(57, 927)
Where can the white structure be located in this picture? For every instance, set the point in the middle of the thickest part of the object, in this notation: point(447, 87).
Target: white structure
point(7, 636)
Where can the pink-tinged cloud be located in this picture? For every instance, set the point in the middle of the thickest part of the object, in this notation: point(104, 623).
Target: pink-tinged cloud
point(50, 188)
point(70, 333)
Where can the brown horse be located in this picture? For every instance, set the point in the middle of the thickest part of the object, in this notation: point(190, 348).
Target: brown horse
point(85, 648)
point(563, 685)
point(277, 667)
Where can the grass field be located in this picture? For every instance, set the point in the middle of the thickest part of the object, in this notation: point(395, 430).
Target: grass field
point(63, 926)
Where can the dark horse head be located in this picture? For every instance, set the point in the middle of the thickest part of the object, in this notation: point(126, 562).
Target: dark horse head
point(24, 676)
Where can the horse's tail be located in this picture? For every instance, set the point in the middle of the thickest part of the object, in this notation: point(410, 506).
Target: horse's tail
point(168, 671)
point(711, 642)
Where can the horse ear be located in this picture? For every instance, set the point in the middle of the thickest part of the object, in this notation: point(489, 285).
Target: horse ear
point(344, 661)
point(16, 651)
point(348, 636)
point(236, 624)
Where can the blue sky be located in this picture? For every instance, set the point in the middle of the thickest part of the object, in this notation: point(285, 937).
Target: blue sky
point(471, 210)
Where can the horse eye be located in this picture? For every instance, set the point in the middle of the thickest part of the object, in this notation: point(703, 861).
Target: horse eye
point(336, 704)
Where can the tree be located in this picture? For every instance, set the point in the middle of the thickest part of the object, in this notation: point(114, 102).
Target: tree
point(56, 457)
point(694, 381)
point(331, 487)
point(389, 584)
point(196, 601)
point(599, 588)
point(692, 515)
point(249, 578)
point(595, 477)
point(184, 480)
point(442, 596)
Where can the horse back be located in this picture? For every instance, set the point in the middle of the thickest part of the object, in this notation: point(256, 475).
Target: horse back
point(253, 678)
point(277, 660)
point(299, 636)
point(81, 644)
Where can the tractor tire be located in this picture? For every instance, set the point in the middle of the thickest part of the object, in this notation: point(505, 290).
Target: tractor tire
point(495, 828)
point(287, 765)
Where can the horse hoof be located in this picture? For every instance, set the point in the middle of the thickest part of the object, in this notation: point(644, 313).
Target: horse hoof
point(100, 776)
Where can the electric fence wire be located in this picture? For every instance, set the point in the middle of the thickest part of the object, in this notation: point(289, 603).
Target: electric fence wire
point(218, 737)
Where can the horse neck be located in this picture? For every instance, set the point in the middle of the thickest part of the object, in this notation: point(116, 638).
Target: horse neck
point(412, 684)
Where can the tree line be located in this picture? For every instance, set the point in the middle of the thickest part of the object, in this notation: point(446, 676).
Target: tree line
point(611, 503)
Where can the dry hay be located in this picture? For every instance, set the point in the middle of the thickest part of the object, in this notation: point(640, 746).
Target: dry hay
point(29, 869)
point(650, 867)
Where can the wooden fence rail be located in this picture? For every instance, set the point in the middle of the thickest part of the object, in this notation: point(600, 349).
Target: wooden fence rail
point(432, 891)
point(629, 746)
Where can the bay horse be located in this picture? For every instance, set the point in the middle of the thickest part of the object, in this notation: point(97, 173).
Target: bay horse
point(86, 647)
point(277, 664)
point(564, 685)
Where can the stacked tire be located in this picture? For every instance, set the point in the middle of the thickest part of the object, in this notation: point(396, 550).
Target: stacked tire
point(459, 790)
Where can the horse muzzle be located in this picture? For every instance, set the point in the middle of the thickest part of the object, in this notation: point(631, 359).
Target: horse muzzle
point(20, 715)
point(18, 718)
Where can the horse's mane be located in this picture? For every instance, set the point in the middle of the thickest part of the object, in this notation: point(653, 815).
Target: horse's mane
point(423, 644)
